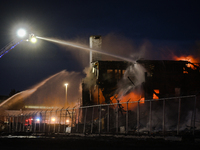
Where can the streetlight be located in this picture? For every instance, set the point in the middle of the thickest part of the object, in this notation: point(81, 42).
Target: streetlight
point(66, 103)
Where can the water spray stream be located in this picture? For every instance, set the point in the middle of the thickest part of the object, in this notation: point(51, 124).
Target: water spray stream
point(27, 93)
point(84, 48)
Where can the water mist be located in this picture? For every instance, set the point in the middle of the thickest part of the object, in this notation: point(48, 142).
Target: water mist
point(50, 92)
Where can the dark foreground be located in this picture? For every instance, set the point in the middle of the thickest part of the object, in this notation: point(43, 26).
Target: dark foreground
point(95, 142)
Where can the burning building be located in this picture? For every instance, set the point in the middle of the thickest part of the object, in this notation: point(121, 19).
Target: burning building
point(141, 83)
point(121, 81)
point(162, 78)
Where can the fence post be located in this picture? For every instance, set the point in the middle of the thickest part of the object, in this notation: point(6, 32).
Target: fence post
point(13, 124)
point(35, 114)
point(195, 99)
point(127, 118)
point(29, 117)
point(85, 120)
point(54, 128)
point(65, 120)
point(45, 115)
point(40, 119)
point(20, 125)
point(92, 119)
point(138, 116)
point(9, 117)
point(75, 119)
point(179, 114)
point(164, 117)
point(108, 119)
point(78, 119)
point(117, 116)
point(30, 121)
point(50, 121)
point(24, 121)
point(150, 118)
point(100, 119)
point(32, 116)
point(72, 119)
point(59, 129)
point(17, 123)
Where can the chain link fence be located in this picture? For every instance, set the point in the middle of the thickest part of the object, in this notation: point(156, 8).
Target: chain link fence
point(167, 116)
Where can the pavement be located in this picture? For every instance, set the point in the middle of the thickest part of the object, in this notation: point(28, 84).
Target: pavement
point(96, 142)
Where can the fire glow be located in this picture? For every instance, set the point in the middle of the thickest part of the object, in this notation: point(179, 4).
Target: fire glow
point(188, 58)
point(157, 92)
point(131, 97)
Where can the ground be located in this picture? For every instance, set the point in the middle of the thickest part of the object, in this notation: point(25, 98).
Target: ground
point(97, 143)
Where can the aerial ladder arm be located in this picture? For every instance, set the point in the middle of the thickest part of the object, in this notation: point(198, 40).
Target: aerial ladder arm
point(9, 47)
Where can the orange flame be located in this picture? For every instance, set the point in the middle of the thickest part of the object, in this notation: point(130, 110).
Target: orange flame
point(131, 97)
point(98, 97)
point(188, 58)
point(154, 95)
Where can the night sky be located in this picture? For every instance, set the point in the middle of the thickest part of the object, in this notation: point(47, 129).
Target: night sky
point(157, 28)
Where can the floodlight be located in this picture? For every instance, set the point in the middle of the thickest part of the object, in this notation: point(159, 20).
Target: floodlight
point(33, 40)
point(21, 32)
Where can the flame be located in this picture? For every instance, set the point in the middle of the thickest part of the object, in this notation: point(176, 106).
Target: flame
point(98, 96)
point(188, 58)
point(131, 97)
point(154, 95)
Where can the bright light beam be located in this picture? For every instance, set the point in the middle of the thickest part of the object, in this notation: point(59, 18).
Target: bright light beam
point(84, 48)
point(33, 40)
point(21, 32)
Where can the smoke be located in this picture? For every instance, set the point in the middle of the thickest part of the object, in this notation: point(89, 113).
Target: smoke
point(90, 78)
point(122, 46)
point(149, 49)
point(171, 116)
point(134, 73)
point(114, 47)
